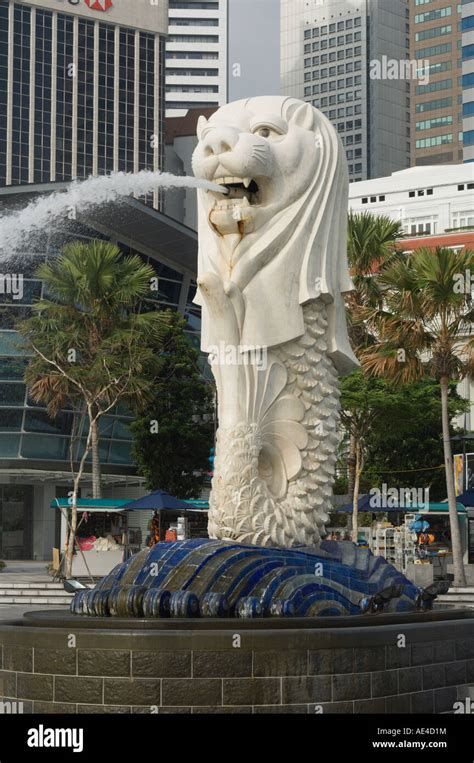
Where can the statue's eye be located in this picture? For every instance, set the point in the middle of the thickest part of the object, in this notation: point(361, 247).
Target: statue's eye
point(272, 128)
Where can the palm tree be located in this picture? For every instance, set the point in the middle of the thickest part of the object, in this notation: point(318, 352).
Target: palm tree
point(425, 327)
point(92, 345)
point(372, 244)
point(93, 298)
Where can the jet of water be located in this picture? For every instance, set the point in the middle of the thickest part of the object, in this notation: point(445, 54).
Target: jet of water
point(82, 195)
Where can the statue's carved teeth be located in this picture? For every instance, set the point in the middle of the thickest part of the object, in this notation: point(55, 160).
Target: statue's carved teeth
point(239, 195)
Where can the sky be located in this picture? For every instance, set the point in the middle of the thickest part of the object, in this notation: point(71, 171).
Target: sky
point(254, 45)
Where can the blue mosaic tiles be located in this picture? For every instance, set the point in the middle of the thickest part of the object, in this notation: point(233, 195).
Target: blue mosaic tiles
point(212, 578)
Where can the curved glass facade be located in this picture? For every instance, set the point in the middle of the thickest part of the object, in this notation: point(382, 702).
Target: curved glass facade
point(26, 430)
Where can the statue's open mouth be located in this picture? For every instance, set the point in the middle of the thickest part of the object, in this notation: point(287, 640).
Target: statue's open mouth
point(243, 190)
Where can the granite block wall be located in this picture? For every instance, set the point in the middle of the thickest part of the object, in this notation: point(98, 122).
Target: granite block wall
point(406, 668)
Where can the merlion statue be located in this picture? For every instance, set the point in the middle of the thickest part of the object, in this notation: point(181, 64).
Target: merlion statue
point(271, 274)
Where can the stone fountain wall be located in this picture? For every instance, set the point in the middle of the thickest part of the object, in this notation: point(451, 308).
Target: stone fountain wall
point(125, 668)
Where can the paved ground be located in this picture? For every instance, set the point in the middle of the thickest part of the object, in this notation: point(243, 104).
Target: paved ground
point(16, 611)
point(25, 567)
point(24, 572)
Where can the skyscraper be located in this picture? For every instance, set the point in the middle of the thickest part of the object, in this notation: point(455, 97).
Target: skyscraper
point(196, 55)
point(242, 61)
point(327, 49)
point(80, 88)
point(220, 51)
point(81, 92)
point(468, 78)
point(436, 122)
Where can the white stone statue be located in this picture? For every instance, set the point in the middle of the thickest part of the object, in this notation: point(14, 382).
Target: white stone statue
point(272, 270)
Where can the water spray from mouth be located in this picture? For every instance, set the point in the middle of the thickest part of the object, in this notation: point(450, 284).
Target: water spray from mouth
point(16, 227)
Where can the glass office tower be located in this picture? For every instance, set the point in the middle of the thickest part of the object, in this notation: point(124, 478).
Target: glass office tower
point(81, 93)
point(80, 89)
point(328, 48)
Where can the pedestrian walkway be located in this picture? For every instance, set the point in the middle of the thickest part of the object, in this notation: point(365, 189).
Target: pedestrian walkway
point(24, 571)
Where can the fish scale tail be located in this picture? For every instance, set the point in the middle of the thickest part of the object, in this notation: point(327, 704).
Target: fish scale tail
point(243, 505)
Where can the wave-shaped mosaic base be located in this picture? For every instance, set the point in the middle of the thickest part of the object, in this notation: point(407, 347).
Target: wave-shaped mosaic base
point(212, 578)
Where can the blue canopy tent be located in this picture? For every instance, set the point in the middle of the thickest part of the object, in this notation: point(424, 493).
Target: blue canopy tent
point(466, 498)
point(156, 501)
point(160, 501)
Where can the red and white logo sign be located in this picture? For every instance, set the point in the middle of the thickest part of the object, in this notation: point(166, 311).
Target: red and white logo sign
point(99, 5)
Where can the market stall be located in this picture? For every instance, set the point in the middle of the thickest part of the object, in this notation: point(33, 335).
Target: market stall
point(171, 518)
point(102, 534)
point(416, 539)
point(111, 530)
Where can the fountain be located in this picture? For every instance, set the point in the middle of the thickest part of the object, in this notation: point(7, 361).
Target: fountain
point(17, 227)
point(266, 614)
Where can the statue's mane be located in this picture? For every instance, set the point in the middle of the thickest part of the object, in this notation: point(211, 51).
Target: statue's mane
point(298, 256)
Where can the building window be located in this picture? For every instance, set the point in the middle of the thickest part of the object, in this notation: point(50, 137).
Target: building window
point(430, 124)
point(438, 13)
point(467, 23)
point(438, 31)
point(439, 103)
point(468, 80)
point(444, 84)
point(463, 219)
point(467, 52)
point(468, 138)
point(438, 140)
point(433, 50)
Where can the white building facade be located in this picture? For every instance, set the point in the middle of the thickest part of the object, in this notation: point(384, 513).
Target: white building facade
point(196, 55)
point(426, 200)
point(220, 51)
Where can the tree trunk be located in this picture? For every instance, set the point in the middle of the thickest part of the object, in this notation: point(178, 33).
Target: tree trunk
point(458, 565)
point(355, 496)
point(71, 535)
point(77, 481)
point(96, 472)
point(351, 464)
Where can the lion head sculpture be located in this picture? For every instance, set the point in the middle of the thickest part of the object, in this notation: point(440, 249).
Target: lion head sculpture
point(278, 238)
